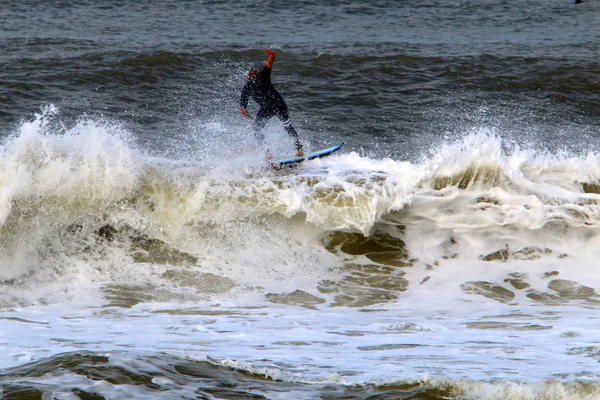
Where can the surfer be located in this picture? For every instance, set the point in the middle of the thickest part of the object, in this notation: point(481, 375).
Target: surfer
point(262, 91)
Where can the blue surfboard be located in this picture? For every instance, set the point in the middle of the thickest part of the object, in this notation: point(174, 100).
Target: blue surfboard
point(294, 162)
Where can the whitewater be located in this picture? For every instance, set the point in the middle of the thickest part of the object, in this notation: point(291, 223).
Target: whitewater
point(471, 269)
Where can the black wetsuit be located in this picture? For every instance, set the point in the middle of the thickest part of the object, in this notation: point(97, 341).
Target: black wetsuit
point(271, 103)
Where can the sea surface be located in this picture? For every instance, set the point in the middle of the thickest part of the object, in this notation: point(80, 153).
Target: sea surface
point(450, 251)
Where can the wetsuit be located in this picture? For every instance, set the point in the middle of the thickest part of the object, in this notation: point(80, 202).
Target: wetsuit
point(262, 91)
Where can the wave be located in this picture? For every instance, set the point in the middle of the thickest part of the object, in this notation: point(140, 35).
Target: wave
point(87, 197)
point(92, 374)
point(95, 167)
point(487, 72)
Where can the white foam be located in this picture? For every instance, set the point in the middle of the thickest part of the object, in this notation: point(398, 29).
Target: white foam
point(263, 231)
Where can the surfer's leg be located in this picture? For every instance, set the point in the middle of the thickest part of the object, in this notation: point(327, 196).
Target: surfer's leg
point(259, 124)
point(262, 117)
point(257, 127)
point(285, 119)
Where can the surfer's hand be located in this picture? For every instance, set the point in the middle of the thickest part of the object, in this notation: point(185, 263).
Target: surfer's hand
point(245, 113)
point(300, 153)
point(271, 58)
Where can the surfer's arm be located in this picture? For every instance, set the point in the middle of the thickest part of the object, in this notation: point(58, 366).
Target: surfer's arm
point(271, 58)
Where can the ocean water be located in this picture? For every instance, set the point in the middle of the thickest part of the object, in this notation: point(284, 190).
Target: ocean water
point(451, 251)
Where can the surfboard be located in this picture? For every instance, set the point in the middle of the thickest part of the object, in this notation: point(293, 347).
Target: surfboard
point(296, 161)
